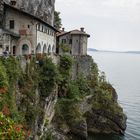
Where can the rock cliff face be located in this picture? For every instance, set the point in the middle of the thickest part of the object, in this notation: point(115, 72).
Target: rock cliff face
point(44, 9)
point(97, 112)
point(89, 103)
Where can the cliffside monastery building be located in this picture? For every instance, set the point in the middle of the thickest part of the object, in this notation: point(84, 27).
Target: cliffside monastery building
point(22, 33)
point(75, 40)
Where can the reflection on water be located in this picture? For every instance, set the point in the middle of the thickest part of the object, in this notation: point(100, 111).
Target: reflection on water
point(123, 71)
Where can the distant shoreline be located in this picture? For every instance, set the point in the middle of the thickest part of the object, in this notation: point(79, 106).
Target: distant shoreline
point(95, 50)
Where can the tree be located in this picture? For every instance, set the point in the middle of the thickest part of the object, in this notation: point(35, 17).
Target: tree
point(57, 20)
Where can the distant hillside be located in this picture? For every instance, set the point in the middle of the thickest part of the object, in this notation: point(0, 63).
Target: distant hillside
point(91, 49)
point(95, 50)
point(135, 52)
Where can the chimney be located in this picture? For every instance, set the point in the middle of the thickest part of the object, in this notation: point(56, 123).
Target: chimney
point(82, 29)
point(13, 2)
point(63, 29)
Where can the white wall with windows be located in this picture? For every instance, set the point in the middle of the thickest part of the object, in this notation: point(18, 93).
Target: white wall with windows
point(35, 36)
point(46, 39)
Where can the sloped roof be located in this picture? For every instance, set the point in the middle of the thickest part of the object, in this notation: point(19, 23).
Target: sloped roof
point(29, 15)
point(73, 32)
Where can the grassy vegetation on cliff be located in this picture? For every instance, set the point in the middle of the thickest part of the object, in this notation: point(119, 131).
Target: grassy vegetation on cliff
point(103, 97)
point(10, 117)
point(22, 91)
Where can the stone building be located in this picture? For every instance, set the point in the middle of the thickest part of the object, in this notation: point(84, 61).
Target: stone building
point(43, 9)
point(73, 42)
point(22, 33)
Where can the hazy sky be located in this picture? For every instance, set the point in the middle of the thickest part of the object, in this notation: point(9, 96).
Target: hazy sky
point(112, 24)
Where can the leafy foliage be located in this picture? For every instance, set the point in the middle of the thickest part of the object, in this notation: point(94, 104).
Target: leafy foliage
point(48, 76)
point(11, 68)
point(73, 91)
point(9, 130)
point(65, 68)
point(38, 82)
point(57, 20)
point(3, 78)
point(94, 76)
point(66, 62)
point(65, 48)
point(48, 136)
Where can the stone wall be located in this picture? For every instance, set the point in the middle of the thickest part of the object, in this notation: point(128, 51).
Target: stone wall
point(82, 65)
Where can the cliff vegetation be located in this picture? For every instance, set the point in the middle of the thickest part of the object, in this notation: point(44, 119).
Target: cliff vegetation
point(43, 101)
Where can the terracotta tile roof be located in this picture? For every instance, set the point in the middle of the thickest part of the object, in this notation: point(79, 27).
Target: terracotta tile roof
point(73, 32)
point(78, 32)
point(60, 33)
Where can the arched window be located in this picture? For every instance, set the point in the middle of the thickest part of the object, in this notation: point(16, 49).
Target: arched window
point(44, 48)
point(49, 49)
point(25, 49)
point(38, 48)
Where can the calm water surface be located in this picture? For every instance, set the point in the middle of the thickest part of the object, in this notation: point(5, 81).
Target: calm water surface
point(123, 71)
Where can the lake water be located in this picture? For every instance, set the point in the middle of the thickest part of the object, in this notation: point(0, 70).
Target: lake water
point(123, 72)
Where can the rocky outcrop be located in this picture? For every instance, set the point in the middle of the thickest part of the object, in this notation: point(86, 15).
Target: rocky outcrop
point(91, 120)
point(99, 121)
point(98, 112)
point(43, 9)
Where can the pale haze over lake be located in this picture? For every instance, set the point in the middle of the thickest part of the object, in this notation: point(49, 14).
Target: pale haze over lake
point(123, 72)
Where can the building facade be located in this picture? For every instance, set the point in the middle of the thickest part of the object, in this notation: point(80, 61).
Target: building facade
point(22, 33)
point(73, 42)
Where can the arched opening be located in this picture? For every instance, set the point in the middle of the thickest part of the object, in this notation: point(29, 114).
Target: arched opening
point(44, 48)
point(38, 48)
point(14, 50)
point(49, 49)
point(25, 49)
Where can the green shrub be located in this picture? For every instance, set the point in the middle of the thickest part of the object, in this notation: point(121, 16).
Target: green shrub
point(73, 91)
point(65, 67)
point(65, 48)
point(83, 85)
point(48, 76)
point(9, 130)
point(3, 77)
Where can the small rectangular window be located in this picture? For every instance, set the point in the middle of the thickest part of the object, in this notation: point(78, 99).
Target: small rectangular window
point(42, 28)
point(38, 27)
point(64, 41)
point(7, 48)
point(70, 41)
point(28, 26)
point(12, 24)
point(0, 46)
